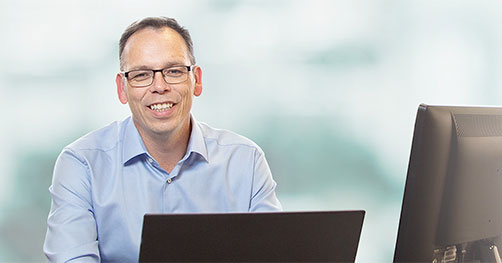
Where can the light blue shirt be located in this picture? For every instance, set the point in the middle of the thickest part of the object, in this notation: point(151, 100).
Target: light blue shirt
point(106, 181)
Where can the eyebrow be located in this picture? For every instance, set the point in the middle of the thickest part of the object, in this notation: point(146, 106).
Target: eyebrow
point(167, 65)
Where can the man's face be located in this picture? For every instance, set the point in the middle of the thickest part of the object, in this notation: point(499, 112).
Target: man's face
point(157, 49)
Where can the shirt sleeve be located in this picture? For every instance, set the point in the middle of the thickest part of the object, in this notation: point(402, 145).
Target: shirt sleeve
point(71, 226)
point(263, 197)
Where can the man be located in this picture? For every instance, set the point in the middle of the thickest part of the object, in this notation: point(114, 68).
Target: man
point(159, 160)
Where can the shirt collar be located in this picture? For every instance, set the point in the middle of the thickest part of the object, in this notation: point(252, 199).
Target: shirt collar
point(196, 144)
point(133, 143)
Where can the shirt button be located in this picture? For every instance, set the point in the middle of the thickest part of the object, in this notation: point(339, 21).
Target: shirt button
point(169, 180)
point(150, 160)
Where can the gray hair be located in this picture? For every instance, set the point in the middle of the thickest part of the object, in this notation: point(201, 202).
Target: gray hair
point(156, 23)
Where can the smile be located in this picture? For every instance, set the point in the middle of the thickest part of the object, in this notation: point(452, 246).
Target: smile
point(159, 107)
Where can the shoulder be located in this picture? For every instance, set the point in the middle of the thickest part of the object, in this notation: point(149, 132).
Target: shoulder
point(103, 139)
point(226, 138)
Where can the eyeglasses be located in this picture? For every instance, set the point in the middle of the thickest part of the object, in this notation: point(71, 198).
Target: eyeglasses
point(144, 77)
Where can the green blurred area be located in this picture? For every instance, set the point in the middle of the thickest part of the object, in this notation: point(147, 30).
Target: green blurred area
point(308, 155)
point(23, 223)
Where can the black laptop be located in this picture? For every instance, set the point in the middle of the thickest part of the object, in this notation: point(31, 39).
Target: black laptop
point(328, 236)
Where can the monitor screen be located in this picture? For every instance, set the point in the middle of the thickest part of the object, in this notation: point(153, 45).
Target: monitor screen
point(451, 209)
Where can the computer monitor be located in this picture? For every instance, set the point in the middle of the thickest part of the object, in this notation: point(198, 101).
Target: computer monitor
point(452, 205)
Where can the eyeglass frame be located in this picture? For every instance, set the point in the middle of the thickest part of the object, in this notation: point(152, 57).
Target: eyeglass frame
point(126, 74)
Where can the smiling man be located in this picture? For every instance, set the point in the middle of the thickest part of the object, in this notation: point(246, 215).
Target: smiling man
point(159, 160)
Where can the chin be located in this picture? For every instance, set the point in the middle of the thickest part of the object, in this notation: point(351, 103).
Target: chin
point(162, 130)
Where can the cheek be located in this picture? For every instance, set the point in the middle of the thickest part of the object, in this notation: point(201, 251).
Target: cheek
point(135, 95)
point(134, 101)
point(187, 100)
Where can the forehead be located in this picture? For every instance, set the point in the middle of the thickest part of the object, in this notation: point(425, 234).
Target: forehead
point(155, 47)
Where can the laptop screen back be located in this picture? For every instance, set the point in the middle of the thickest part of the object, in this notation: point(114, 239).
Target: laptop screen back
point(273, 237)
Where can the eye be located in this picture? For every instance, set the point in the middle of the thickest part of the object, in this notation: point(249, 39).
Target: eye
point(174, 72)
point(139, 75)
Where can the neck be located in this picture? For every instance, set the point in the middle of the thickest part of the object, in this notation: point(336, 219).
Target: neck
point(167, 148)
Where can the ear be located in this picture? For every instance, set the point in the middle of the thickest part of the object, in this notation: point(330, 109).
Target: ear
point(197, 72)
point(121, 89)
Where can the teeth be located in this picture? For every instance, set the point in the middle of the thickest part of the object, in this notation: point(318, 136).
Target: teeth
point(161, 106)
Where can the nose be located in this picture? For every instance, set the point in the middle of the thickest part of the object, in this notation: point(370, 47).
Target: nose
point(159, 85)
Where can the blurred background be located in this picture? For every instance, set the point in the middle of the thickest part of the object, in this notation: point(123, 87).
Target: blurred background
point(328, 88)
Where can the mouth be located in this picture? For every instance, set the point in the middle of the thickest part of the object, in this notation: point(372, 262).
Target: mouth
point(161, 107)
